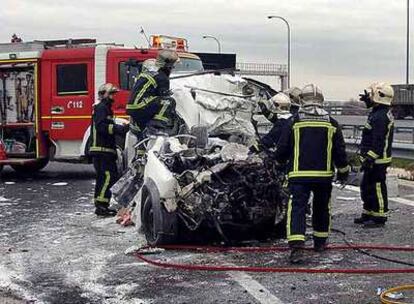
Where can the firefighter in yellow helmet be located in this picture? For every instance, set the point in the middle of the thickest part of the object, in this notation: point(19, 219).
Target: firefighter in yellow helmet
point(103, 148)
point(375, 154)
point(313, 146)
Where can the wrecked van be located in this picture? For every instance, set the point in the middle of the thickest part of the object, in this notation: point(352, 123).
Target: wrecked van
point(202, 179)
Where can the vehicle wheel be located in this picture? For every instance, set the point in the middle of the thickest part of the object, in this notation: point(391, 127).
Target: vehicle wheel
point(31, 167)
point(160, 226)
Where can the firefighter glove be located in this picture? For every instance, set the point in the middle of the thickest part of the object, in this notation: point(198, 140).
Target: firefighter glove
point(367, 164)
point(342, 177)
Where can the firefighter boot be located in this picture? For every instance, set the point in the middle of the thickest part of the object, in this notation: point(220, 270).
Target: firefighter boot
point(104, 211)
point(375, 223)
point(362, 219)
point(319, 244)
point(297, 256)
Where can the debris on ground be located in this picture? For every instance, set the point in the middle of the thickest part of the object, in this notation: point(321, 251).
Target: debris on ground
point(124, 217)
point(143, 250)
point(407, 173)
point(395, 295)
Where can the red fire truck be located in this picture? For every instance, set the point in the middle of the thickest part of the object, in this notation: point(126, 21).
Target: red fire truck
point(48, 88)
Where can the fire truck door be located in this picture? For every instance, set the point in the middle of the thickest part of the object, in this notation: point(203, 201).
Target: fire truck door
point(71, 106)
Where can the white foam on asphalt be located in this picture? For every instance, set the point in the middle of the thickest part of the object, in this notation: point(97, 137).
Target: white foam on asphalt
point(8, 281)
point(254, 288)
point(60, 184)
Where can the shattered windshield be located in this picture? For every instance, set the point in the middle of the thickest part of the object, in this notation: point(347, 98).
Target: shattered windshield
point(188, 64)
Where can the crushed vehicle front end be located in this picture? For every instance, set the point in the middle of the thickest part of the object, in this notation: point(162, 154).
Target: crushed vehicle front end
point(204, 180)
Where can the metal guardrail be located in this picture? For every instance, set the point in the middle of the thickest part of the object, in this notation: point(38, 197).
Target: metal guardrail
point(262, 69)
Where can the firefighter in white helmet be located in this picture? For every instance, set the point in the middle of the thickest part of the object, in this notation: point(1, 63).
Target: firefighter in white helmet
point(279, 109)
point(375, 154)
point(294, 95)
point(103, 148)
point(313, 146)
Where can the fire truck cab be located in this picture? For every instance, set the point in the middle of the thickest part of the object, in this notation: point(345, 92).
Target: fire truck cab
point(48, 89)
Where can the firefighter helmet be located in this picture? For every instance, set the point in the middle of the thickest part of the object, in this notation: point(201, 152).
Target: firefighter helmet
point(280, 103)
point(166, 59)
point(149, 65)
point(381, 93)
point(106, 89)
point(294, 95)
point(311, 95)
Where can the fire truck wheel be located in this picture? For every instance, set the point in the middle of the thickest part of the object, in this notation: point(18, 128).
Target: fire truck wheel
point(1, 168)
point(31, 167)
point(160, 226)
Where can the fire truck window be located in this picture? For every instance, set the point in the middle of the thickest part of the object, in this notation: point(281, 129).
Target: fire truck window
point(127, 74)
point(72, 79)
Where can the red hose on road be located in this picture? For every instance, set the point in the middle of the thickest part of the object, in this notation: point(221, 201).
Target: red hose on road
point(210, 249)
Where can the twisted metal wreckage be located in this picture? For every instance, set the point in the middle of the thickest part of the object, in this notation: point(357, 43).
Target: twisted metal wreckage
point(202, 178)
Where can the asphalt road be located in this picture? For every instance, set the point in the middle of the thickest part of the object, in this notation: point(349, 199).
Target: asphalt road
point(54, 250)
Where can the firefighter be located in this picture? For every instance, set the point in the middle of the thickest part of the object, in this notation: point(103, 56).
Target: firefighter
point(294, 95)
point(149, 99)
point(103, 148)
point(279, 110)
point(375, 154)
point(313, 145)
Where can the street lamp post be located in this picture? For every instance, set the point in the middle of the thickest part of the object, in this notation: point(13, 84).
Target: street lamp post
point(407, 71)
point(288, 29)
point(218, 42)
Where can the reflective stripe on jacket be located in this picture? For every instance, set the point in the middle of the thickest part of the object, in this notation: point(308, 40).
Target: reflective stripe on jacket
point(313, 146)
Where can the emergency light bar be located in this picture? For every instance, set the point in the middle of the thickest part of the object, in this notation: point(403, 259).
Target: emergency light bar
point(169, 42)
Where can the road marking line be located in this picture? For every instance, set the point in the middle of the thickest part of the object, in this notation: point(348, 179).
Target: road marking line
point(257, 290)
point(393, 199)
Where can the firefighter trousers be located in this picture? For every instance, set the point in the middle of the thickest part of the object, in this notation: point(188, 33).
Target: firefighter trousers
point(374, 193)
point(296, 213)
point(106, 177)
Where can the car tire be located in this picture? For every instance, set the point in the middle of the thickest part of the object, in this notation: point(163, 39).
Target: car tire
point(31, 167)
point(160, 226)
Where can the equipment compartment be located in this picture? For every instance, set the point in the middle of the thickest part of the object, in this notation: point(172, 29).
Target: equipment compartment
point(17, 108)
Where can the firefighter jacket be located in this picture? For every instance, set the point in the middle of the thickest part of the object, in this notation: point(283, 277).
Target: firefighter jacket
point(272, 138)
point(104, 129)
point(313, 145)
point(269, 115)
point(144, 103)
point(377, 135)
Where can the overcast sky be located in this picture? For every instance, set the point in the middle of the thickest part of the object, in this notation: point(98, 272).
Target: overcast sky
point(341, 45)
